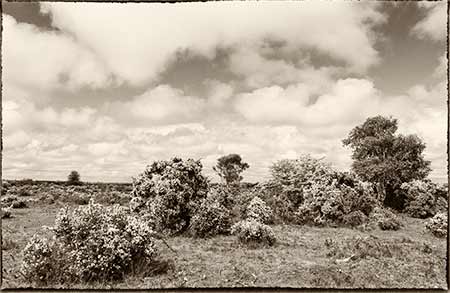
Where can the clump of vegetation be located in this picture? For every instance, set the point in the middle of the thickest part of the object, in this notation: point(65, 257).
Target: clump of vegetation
point(6, 213)
point(438, 225)
point(229, 168)
point(172, 190)
point(211, 218)
point(386, 219)
point(73, 178)
point(19, 204)
point(254, 233)
point(386, 159)
point(90, 243)
point(336, 203)
point(421, 198)
point(259, 211)
point(284, 192)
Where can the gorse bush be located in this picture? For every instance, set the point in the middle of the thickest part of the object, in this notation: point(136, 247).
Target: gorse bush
point(252, 232)
point(386, 219)
point(259, 211)
point(172, 190)
point(6, 213)
point(421, 198)
point(211, 218)
point(336, 203)
point(284, 191)
point(438, 225)
point(90, 243)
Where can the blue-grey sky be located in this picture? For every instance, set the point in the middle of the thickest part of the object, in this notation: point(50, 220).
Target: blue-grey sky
point(106, 88)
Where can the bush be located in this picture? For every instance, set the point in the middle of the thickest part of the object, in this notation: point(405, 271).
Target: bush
point(284, 192)
point(211, 218)
point(259, 211)
point(252, 232)
point(91, 243)
point(438, 225)
point(421, 198)
point(172, 190)
point(6, 213)
point(336, 203)
point(19, 204)
point(386, 219)
point(354, 219)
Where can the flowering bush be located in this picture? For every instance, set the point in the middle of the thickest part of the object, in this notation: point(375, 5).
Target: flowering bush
point(6, 213)
point(421, 198)
point(259, 211)
point(90, 243)
point(438, 225)
point(172, 190)
point(336, 203)
point(386, 219)
point(211, 218)
point(252, 232)
point(284, 192)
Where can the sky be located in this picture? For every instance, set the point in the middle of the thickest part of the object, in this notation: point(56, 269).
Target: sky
point(107, 88)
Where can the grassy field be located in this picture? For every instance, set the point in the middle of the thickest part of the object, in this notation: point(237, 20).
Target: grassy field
point(303, 257)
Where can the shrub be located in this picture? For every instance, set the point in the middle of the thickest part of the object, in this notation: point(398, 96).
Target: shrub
point(386, 219)
point(211, 218)
point(259, 211)
point(172, 190)
point(438, 225)
point(8, 200)
point(90, 243)
point(336, 203)
point(420, 198)
point(6, 213)
point(253, 232)
point(19, 204)
point(224, 195)
point(354, 219)
point(284, 192)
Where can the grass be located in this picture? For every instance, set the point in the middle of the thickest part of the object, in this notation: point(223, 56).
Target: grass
point(302, 257)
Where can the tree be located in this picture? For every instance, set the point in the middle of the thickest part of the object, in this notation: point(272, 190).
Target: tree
point(73, 178)
point(386, 159)
point(230, 167)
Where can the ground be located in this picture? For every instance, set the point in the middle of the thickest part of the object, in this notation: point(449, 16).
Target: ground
point(302, 257)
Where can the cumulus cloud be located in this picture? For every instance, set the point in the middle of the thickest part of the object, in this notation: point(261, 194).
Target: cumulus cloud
point(43, 60)
point(161, 105)
point(140, 56)
point(434, 25)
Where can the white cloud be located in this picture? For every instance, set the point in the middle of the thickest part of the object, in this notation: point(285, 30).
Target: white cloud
point(161, 105)
point(43, 60)
point(434, 25)
point(140, 47)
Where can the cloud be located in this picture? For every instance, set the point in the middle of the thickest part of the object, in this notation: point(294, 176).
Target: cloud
point(161, 105)
point(44, 60)
point(434, 25)
point(295, 104)
point(137, 54)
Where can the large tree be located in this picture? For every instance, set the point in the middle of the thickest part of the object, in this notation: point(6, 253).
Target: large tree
point(230, 167)
point(382, 157)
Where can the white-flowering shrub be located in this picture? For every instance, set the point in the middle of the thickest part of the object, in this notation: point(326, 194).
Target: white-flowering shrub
point(438, 225)
point(336, 203)
point(172, 190)
point(6, 213)
point(91, 243)
point(422, 198)
point(252, 232)
point(259, 211)
point(211, 218)
point(386, 219)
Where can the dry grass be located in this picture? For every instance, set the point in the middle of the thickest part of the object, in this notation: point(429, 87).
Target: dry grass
point(407, 258)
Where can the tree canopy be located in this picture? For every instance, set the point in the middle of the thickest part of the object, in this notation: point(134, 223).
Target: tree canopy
point(230, 167)
point(387, 159)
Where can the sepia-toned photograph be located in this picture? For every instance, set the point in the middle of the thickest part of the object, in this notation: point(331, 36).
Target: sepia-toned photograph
point(224, 144)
